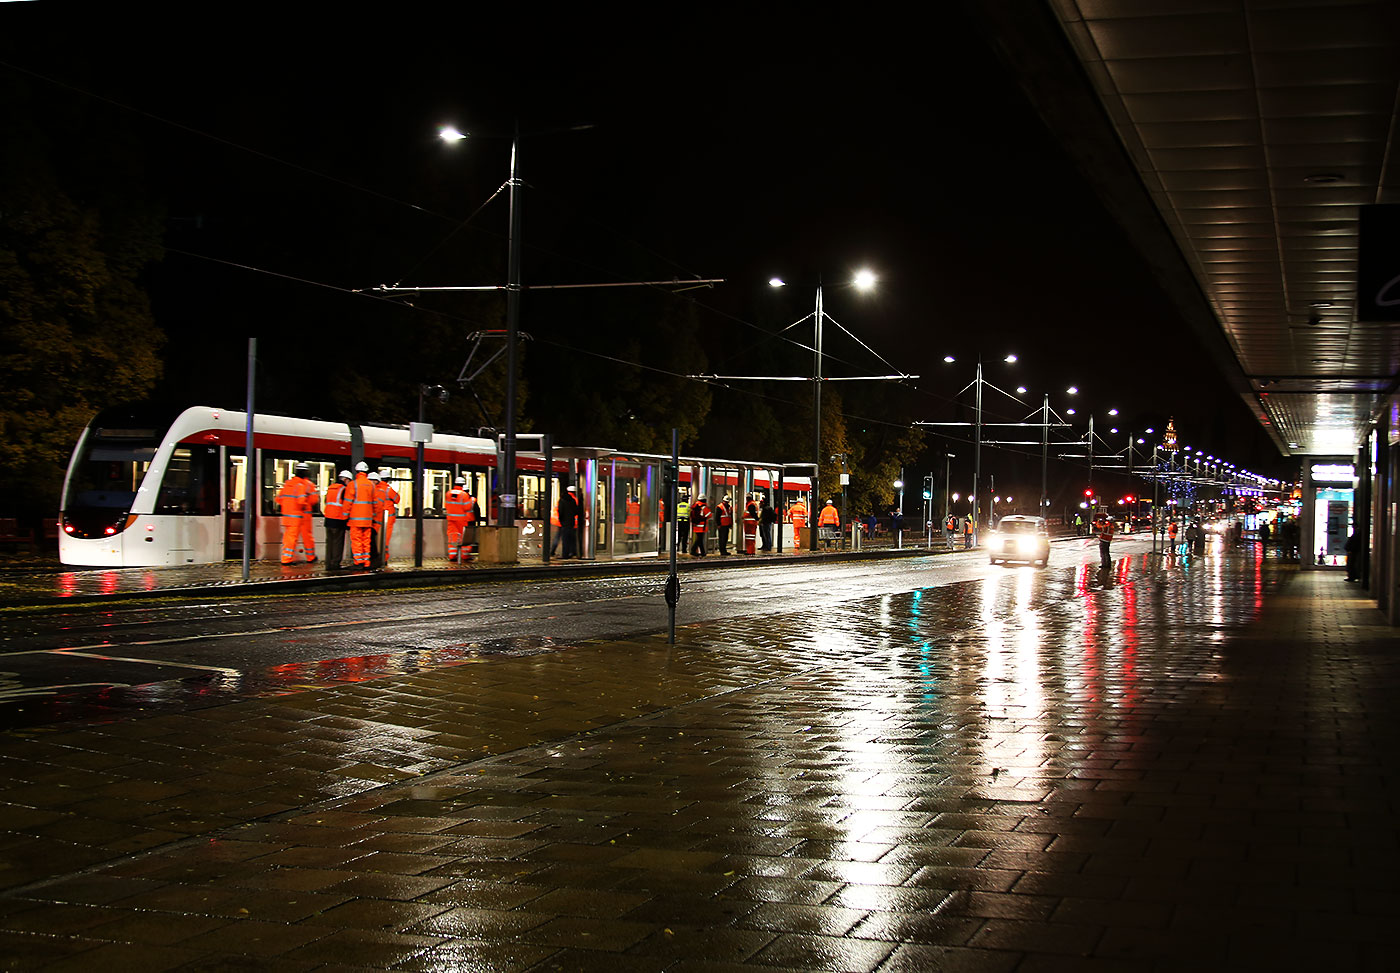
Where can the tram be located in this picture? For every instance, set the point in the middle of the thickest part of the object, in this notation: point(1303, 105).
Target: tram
point(148, 487)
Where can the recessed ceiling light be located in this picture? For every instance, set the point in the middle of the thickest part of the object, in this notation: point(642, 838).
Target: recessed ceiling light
point(1322, 304)
point(1324, 177)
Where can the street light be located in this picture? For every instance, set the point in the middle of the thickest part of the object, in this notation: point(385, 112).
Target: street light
point(506, 511)
point(864, 280)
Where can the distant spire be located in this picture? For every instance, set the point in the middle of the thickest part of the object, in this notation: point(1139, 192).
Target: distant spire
point(1169, 437)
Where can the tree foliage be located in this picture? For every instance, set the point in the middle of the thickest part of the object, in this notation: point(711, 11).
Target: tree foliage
point(76, 329)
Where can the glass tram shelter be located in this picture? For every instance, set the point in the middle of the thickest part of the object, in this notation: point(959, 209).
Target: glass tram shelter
point(607, 480)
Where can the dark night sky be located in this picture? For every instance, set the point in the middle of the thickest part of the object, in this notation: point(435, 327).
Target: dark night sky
point(737, 151)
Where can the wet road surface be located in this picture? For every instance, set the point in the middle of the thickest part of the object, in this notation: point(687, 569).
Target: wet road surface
point(94, 662)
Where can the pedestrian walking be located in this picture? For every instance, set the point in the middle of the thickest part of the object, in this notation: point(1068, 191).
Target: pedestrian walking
point(297, 499)
point(1353, 557)
point(699, 526)
point(1171, 537)
point(968, 527)
point(336, 511)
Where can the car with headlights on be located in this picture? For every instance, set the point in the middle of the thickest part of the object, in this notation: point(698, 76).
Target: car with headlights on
point(1019, 538)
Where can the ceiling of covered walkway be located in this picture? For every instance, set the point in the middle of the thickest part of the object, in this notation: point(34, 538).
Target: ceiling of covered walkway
point(1237, 141)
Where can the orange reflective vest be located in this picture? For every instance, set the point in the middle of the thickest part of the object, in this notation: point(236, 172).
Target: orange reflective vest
point(554, 514)
point(634, 518)
point(699, 518)
point(459, 505)
point(726, 514)
point(334, 507)
point(297, 496)
point(829, 517)
point(386, 500)
point(359, 499)
point(797, 513)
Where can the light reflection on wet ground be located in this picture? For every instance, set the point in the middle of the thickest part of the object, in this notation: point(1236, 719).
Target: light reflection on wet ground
point(981, 776)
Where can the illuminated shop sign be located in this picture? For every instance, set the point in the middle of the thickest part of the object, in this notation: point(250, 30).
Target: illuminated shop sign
point(1333, 473)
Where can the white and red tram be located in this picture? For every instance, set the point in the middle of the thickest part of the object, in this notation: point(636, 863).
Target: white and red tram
point(149, 487)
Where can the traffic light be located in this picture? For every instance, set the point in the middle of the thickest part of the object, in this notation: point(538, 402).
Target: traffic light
point(928, 487)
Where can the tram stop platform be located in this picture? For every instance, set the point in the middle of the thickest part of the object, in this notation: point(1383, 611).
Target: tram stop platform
point(39, 581)
point(1167, 766)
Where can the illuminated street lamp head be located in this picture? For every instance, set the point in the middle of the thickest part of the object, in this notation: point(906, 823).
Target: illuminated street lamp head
point(1113, 412)
point(949, 358)
point(450, 133)
point(1072, 390)
point(1020, 390)
point(776, 282)
point(865, 279)
point(1010, 359)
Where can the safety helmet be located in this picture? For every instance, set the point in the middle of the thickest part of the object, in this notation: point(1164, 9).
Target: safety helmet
point(345, 475)
point(461, 481)
point(374, 476)
point(361, 467)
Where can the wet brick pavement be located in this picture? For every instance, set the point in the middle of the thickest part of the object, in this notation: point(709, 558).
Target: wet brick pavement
point(1193, 768)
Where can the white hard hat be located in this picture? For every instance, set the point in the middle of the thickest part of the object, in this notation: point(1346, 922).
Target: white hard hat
point(361, 467)
point(572, 489)
point(345, 475)
point(374, 476)
point(461, 481)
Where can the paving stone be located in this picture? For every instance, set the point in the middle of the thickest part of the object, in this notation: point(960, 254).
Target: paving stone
point(1188, 770)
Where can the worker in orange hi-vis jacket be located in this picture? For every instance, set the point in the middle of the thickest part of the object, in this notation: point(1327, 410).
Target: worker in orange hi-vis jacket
point(360, 502)
point(297, 499)
point(460, 508)
point(388, 513)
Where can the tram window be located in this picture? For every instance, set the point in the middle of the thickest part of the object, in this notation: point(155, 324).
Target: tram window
point(108, 475)
point(277, 470)
point(191, 482)
point(531, 496)
point(436, 483)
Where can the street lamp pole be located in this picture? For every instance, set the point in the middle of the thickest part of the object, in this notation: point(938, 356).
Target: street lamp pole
point(816, 417)
point(977, 457)
point(506, 517)
point(1044, 454)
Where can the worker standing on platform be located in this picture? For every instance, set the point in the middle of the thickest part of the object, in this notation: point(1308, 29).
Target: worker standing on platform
point(632, 526)
point(751, 521)
point(767, 517)
point(683, 523)
point(570, 519)
point(388, 512)
point(376, 544)
point(829, 518)
point(797, 515)
point(699, 525)
point(456, 506)
point(724, 521)
point(336, 511)
point(297, 498)
point(359, 500)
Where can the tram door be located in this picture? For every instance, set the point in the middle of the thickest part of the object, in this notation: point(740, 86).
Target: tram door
point(235, 490)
